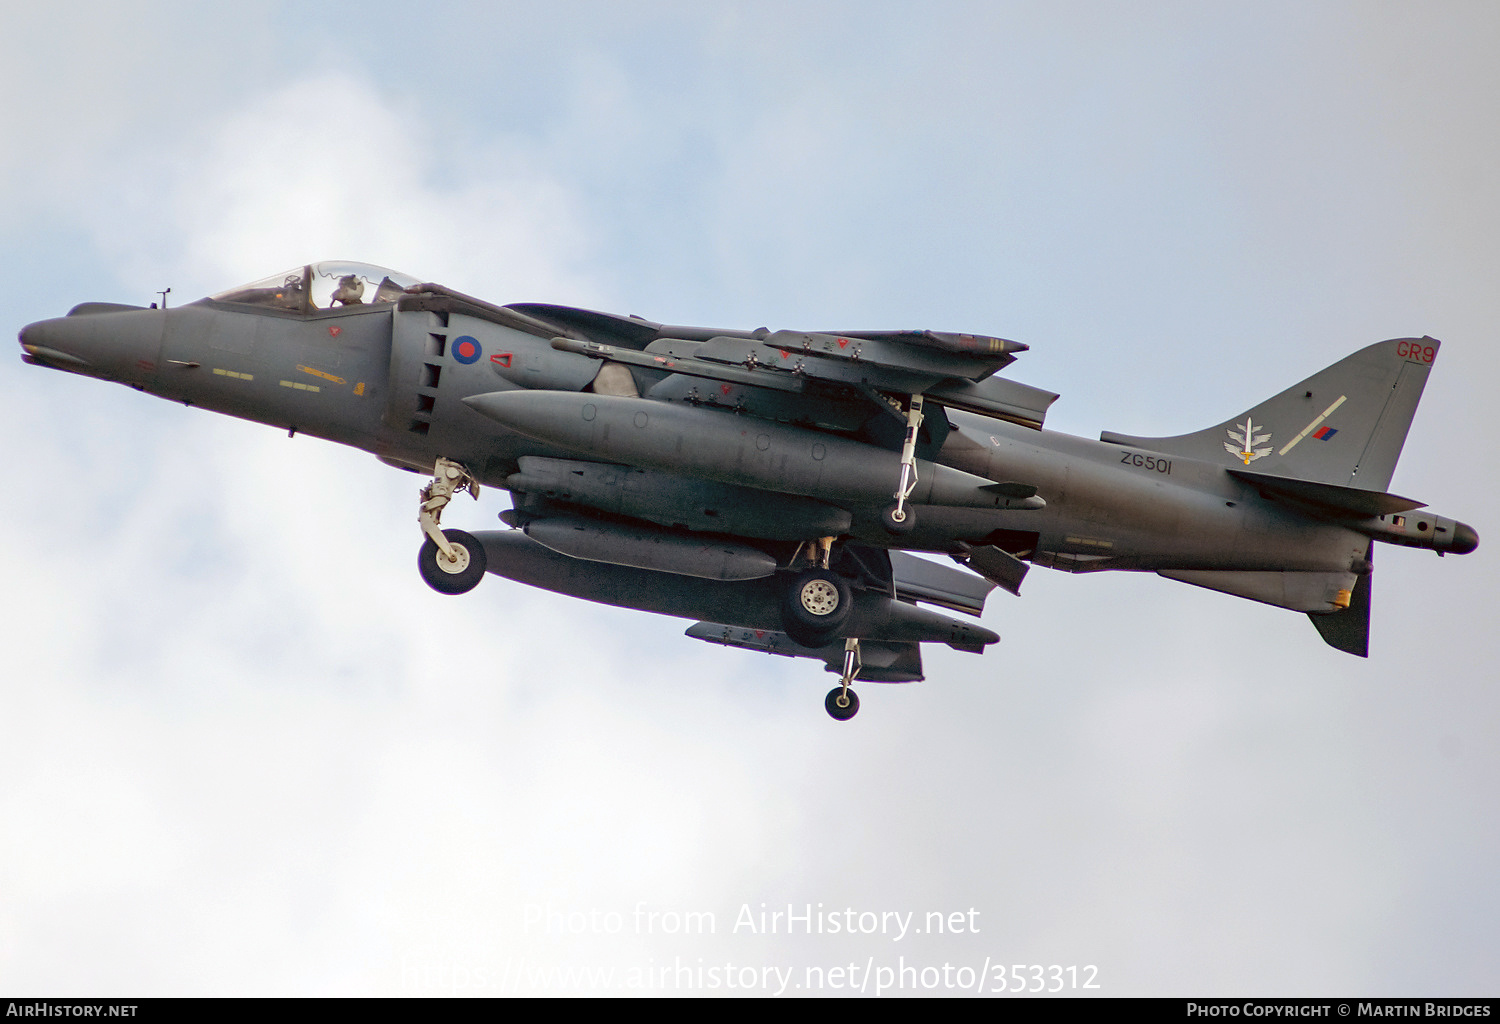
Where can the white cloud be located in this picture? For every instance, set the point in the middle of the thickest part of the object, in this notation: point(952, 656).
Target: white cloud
point(312, 775)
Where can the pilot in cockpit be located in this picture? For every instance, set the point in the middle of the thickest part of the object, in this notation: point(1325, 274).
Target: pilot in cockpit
point(350, 292)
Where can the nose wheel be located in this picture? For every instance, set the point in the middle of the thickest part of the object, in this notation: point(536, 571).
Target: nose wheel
point(455, 573)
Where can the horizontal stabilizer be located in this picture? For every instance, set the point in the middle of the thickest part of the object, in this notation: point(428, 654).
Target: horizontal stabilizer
point(1334, 498)
point(879, 662)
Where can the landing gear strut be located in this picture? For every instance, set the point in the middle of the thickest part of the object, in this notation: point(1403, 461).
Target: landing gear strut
point(451, 561)
point(898, 519)
point(842, 703)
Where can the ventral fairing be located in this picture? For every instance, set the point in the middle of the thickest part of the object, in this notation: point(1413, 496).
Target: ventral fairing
point(772, 485)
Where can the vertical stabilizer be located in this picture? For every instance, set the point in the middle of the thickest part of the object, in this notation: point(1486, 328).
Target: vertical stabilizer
point(1344, 425)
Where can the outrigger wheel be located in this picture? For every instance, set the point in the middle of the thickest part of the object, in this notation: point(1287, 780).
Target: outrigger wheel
point(815, 606)
point(898, 519)
point(842, 703)
point(842, 712)
point(458, 574)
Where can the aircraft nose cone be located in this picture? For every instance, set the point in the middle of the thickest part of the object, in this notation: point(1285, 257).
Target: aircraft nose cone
point(1465, 538)
point(120, 343)
point(40, 346)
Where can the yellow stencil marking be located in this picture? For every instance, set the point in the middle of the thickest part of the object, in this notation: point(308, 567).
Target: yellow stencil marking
point(298, 385)
point(319, 373)
point(232, 373)
point(359, 388)
point(1313, 425)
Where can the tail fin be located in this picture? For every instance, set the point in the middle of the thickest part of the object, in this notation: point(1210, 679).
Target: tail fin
point(1344, 425)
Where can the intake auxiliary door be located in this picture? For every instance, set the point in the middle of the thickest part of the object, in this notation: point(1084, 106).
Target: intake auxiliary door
point(419, 349)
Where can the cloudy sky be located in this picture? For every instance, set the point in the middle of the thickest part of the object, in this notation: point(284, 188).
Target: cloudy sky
point(248, 752)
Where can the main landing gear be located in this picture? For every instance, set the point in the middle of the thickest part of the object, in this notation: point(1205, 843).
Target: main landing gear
point(451, 561)
point(815, 606)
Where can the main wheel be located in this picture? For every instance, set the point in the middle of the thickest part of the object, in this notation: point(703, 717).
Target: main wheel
point(901, 526)
point(841, 713)
point(815, 606)
point(813, 638)
point(458, 576)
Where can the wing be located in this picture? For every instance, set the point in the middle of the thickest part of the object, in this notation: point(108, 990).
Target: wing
point(954, 370)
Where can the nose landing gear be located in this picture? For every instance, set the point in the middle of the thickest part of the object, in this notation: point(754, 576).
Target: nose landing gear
point(451, 561)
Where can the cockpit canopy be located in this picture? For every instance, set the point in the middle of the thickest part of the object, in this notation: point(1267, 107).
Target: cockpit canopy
point(320, 286)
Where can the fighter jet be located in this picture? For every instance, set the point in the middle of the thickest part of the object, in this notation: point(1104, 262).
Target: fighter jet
point(772, 485)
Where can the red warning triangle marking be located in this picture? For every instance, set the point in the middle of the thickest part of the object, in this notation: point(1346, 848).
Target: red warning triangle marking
point(501, 359)
point(724, 388)
point(843, 343)
point(334, 330)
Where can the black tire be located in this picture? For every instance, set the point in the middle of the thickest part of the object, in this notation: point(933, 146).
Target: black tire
point(813, 638)
point(901, 527)
point(831, 705)
point(446, 579)
point(815, 605)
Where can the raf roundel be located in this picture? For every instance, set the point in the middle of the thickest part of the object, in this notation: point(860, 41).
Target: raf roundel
point(466, 349)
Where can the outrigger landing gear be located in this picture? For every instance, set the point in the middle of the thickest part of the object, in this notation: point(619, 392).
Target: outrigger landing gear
point(898, 519)
point(451, 561)
point(842, 703)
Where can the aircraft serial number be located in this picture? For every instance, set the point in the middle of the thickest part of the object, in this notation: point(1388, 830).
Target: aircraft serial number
point(1147, 462)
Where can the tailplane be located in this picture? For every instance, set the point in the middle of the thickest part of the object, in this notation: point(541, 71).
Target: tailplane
point(1344, 425)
